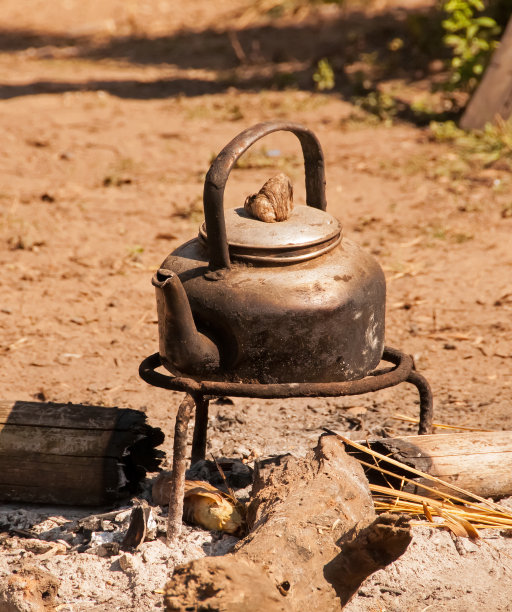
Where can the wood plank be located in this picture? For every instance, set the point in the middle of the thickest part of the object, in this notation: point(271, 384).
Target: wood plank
point(493, 96)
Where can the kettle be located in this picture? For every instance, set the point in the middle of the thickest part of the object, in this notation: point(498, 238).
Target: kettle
point(254, 302)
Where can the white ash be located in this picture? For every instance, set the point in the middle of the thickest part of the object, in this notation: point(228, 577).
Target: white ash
point(95, 579)
point(438, 571)
point(442, 572)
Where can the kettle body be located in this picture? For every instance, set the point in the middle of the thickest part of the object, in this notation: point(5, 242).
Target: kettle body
point(282, 310)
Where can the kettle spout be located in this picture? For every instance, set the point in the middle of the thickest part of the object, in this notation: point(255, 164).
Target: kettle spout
point(181, 344)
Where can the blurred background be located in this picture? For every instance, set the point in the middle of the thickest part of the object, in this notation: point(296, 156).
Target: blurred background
point(112, 111)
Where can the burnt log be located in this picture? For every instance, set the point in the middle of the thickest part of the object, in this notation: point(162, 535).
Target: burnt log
point(313, 539)
point(74, 454)
point(479, 462)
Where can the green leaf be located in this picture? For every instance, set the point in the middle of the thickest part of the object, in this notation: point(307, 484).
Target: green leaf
point(472, 30)
point(452, 40)
point(481, 44)
point(472, 37)
point(478, 4)
point(462, 18)
point(485, 22)
point(449, 26)
point(452, 5)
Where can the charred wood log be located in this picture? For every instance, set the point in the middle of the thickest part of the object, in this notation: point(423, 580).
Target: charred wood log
point(73, 453)
point(313, 539)
point(480, 462)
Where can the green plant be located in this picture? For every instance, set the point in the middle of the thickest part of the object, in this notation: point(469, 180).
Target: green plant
point(134, 253)
point(324, 76)
point(378, 103)
point(472, 37)
point(489, 145)
point(441, 232)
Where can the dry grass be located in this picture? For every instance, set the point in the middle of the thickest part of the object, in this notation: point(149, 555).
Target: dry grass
point(407, 419)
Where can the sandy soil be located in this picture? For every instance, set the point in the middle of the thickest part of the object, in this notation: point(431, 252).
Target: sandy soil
point(111, 113)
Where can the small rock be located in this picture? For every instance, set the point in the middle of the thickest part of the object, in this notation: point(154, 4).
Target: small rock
point(38, 547)
point(243, 451)
point(155, 552)
point(151, 527)
point(103, 544)
point(126, 562)
point(449, 347)
point(109, 549)
point(123, 516)
point(101, 537)
point(130, 563)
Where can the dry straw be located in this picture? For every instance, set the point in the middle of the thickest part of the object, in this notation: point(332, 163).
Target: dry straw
point(403, 417)
point(463, 514)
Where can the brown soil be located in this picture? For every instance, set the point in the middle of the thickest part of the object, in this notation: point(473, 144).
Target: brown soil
point(111, 113)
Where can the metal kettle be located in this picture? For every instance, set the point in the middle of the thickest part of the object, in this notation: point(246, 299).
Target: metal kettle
point(292, 301)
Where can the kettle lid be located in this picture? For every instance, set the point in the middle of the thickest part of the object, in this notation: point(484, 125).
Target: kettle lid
point(307, 233)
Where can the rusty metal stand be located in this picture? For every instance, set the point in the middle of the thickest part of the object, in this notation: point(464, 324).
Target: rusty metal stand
point(198, 392)
point(200, 429)
point(426, 401)
point(179, 464)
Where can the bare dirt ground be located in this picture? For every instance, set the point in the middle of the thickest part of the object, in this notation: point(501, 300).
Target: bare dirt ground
point(111, 113)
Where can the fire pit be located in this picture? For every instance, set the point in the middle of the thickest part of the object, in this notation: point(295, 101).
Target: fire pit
point(270, 310)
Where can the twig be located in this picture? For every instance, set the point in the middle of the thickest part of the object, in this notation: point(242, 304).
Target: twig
point(105, 515)
point(402, 417)
point(237, 47)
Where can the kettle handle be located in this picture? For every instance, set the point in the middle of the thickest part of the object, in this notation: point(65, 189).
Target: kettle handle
point(213, 195)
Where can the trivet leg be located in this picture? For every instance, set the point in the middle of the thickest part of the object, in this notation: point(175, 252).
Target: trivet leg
point(426, 402)
point(179, 464)
point(200, 429)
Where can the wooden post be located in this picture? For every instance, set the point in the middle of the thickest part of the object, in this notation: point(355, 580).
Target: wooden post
point(72, 453)
point(493, 96)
